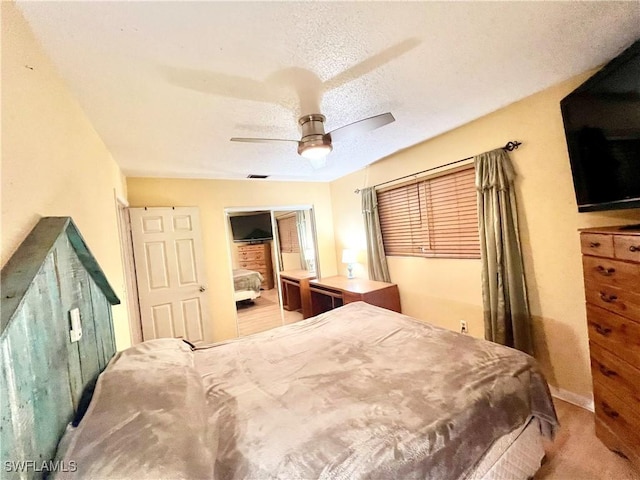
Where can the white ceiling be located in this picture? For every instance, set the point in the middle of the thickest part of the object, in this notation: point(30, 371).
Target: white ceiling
point(166, 84)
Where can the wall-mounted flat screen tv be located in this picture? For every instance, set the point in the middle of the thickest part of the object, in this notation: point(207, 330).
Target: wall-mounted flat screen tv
point(602, 127)
point(251, 228)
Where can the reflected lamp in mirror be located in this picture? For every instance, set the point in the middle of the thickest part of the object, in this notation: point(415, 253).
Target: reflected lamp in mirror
point(310, 257)
point(349, 256)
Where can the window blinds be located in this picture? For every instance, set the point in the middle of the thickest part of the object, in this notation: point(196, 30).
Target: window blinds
point(434, 217)
point(288, 235)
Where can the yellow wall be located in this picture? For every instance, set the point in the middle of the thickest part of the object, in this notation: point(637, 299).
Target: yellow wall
point(445, 291)
point(212, 197)
point(53, 161)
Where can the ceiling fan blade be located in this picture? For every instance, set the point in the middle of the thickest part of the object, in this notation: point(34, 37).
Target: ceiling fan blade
point(261, 140)
point(361, 126)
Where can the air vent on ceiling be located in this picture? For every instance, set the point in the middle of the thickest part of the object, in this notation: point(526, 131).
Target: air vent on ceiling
point(257, 176)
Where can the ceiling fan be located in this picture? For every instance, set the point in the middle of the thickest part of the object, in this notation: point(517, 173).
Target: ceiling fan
point(315, 144)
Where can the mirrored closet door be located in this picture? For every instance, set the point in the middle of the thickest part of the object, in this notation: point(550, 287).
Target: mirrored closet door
point(270, 249)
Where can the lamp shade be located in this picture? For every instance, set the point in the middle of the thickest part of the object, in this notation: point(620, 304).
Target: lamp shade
point(349, 256)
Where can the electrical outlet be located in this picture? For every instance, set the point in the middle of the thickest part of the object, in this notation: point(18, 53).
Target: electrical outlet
point(75, 333)
point(463, 327)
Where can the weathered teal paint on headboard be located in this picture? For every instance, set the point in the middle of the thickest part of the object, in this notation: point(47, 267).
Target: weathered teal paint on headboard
point(43, 374)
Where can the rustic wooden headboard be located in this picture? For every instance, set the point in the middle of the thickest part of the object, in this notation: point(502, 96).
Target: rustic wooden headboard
point(42, 373)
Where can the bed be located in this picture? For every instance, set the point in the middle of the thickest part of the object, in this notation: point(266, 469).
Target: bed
point(356, 392)
point(246, 284)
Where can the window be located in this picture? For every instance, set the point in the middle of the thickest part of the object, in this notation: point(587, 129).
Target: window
point(434, 217)
point(288, 234)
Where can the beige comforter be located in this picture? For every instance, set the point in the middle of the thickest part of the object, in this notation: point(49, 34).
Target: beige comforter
point(362, 392)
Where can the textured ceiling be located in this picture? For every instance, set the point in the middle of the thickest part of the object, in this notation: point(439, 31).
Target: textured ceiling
point(166, 84)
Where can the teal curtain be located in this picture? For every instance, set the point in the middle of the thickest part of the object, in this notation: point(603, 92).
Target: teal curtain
point(504, 293)
point(376, 258)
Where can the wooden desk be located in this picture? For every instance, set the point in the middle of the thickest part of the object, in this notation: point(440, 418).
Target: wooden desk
point(290, 283)
point(327, 293)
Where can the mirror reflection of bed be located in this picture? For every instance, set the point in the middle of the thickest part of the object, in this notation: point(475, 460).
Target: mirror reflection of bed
point(264, 244)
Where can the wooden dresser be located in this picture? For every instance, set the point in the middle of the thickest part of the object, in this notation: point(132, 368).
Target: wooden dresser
point(611, 262)
point(257, 257)
point(327, 293)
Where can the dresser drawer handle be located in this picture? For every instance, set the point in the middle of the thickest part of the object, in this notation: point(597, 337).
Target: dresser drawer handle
point(608, 411)
point(607, 272)
point(594, 244)
point(607, 372)
point(634, 248)
point(602, 330)
point(607, 298)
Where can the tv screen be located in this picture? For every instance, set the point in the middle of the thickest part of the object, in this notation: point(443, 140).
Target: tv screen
point(251, 228)
point(602, 127)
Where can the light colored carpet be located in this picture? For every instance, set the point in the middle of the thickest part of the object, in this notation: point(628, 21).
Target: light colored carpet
point(577, 454)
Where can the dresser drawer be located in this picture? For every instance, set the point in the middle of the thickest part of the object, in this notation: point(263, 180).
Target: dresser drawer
point(616, 375)
point(611, 272)
point(614, 299)
point(615, 443)
point(253, 248)
point(253, 265)
point(614, 333)
point(619, 416)
point(627, 247)
point(599, 244)
point(247, 256)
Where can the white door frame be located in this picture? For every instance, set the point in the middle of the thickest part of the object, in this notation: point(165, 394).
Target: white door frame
point(128, 267)
point(271, 209)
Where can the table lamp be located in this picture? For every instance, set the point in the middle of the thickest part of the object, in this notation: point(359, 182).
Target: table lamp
point(310, 257)
point(349, 257)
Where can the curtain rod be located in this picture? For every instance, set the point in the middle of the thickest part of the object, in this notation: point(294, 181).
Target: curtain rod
point(509, 147)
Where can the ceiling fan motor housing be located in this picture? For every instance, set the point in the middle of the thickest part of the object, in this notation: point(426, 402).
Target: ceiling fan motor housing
point(313, 132)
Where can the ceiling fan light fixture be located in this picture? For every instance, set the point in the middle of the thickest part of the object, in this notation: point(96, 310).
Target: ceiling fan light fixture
point(315, 144)
point(315, 151)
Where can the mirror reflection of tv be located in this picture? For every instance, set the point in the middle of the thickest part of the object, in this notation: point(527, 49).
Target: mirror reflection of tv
point(253, 228)
point(602, 126)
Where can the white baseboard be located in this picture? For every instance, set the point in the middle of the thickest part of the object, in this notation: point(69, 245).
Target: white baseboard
point(573, 398)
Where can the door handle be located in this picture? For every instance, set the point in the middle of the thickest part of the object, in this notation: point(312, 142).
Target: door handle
point(202, 288)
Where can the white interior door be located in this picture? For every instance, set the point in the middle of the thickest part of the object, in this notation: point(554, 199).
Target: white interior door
point(169, 260)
